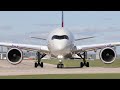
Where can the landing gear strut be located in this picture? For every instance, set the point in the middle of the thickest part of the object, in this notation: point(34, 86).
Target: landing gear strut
point(84, 63)
point(39, 57)
point(60, 64)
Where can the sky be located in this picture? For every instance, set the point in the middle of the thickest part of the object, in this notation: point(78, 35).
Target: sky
point(19, 26)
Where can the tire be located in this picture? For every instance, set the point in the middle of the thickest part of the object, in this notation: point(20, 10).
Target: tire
point(87, 64)
point(62, 66)
point(81, 64)
point(41, 64)
point(58, 65)
point(36, 65)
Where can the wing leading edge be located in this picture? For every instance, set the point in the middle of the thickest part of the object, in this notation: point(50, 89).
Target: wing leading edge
point(26, 47)
point(95, 47)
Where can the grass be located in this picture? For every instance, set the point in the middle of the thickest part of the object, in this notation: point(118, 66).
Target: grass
point(65, 76)
point(93, 63)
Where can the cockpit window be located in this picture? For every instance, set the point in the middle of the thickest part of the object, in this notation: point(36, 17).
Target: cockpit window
point(60, 37)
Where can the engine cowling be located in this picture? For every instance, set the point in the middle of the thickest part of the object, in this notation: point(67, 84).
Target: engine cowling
point(14, 56)
point(107, 55)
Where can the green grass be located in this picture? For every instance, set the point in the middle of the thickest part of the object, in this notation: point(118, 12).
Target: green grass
point(93, 63)
point(65, 76)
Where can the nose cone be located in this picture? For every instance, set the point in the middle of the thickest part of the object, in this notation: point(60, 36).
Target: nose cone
point(60, 45)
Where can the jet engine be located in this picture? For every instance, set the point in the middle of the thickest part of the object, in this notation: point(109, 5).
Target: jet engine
point(107, 55)
point(14, 56)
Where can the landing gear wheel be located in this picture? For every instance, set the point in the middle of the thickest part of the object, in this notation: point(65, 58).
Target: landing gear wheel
point(81, 64)
point(87, 64)
point(60, 65)
point(57, 65)
point(36, 64)
point(41, 64)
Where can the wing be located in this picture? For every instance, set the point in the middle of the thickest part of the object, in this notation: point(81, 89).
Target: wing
point(83, 38)
point(95, 47)
point(39, 38)
point(26, 47)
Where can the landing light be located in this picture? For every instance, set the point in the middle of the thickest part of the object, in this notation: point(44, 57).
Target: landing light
point(60, 56)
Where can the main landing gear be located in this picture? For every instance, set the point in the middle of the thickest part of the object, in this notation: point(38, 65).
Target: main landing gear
point(84, 63)
point(60, 64)
point(39, 57)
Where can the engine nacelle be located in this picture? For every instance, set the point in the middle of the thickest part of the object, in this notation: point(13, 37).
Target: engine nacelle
point(14, 56)
point(107, 55)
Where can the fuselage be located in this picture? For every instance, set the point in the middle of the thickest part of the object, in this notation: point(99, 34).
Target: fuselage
point(60, 42)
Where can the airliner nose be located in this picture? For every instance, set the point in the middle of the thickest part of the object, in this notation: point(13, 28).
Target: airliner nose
point(60, 45)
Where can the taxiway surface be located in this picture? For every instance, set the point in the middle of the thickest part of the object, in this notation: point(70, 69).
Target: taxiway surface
point(27, 68)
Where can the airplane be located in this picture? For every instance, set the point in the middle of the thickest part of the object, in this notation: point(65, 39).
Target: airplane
point(61, 45)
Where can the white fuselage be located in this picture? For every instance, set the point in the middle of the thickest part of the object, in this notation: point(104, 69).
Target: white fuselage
point(60, 42)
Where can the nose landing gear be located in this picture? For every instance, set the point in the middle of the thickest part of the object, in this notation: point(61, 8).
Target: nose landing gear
point(60, 64)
